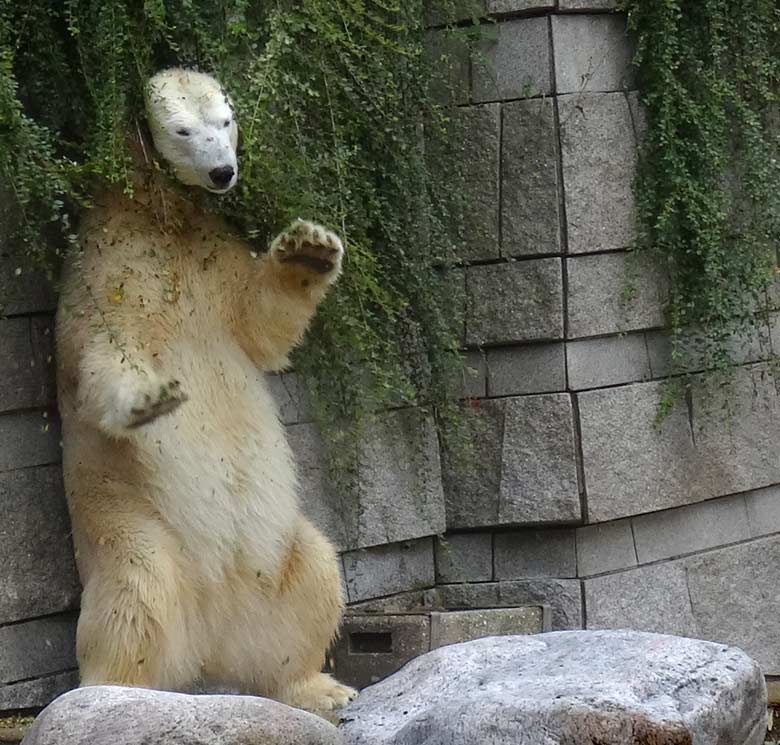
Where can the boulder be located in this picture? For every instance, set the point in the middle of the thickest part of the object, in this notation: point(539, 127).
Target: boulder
point(567, 688)
point(112, 715)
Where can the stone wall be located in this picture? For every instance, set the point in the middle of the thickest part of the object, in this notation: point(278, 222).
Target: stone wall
point(577, 501)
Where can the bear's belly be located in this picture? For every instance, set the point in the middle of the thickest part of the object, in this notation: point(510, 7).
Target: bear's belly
point(223, 477)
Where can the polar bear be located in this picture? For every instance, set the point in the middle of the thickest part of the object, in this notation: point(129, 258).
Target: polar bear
point(196, 561)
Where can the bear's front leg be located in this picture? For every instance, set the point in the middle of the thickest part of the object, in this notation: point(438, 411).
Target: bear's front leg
point(309, 254)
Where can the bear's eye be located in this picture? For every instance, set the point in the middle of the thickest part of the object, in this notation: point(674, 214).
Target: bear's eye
point(183, 132)
point(227, 123)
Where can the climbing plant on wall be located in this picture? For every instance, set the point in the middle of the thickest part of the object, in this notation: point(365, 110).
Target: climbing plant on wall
point(709, 184)
point(336, 116)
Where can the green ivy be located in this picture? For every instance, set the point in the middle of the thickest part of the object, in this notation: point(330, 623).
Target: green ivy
point(337, 120)
point(708, 188)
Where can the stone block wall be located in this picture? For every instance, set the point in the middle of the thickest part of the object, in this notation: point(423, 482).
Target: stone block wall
point(576, 500)
point(39, 586)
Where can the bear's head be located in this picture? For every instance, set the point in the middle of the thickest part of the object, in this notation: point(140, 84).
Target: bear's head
point(192, 124)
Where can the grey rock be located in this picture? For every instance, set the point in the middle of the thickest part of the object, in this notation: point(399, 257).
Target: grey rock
point(517, 301)
point(530, 188)
point(686, 530)
point(464, 557)
point(523, 469)
point(652, 598)
point(109, 715)
point(530, 368)
point(587, 4)
point(763, 510)
point(474, 375)
point(39, 575)
point(290, 396)
point(513, 61)
point(29, 439)
point(599, 155)
point(605, 548)
point(475, 141)
point(733, 598)
point(453, 627)
point(332, 510)
point(592, 53)
point(37, 693)
point(535, 552)
point(574, 687)
point(596, 363)
point(35, 648)
point(562, 596)
point(401, 495)
point(614, 293)
point(26, 363)
point(385, 570)
point(633, 465)
point(448, 54)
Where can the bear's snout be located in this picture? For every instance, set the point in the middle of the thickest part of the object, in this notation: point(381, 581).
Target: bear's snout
point(221, 176)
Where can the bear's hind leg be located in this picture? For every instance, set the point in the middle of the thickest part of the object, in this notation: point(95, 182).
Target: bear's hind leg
point(132, 629)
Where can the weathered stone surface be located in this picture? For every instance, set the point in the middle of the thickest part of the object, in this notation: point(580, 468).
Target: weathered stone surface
point(449, 55)
point(686, 530)
point(29, 439)
point(370, 648)
point(523, 469)
point(475, 139)
point(634, 466)
point(37, 693)
point(384, 570)
point(763, 510)
point(26, 369)
point(587, 4)
point(535, 552)
point(599, 154)
point(596, 363)
point(35, 648)
point(464, 557)
point(290, 397)
point(732, 600)
point(332, 511)
point(517, 301)
point(562, 596)
point(110, 715)
point(23, 289)
point(651, 598)
point(39, 575)
point(592, 53)
point(513, 61)
point(605, 548)
point(530, 188)
point(399, 491)
point(416, 601)
point(531, 368)
point(575, 687)
point(723, 595)
point(614, 293)
point(453, 627)
point(474, 375)
point(499, 7)
point(400, 481)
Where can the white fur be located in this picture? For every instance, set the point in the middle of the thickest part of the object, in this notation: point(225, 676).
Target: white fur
point(193, 126)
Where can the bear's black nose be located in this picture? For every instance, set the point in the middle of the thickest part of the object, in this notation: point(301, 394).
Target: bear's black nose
point(221, 176)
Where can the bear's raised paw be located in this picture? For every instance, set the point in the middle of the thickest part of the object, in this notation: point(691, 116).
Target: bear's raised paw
point(310, 246)
point(158, 400)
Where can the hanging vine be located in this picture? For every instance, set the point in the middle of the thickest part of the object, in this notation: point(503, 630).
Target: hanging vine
point(708, 188)
point(336, 116)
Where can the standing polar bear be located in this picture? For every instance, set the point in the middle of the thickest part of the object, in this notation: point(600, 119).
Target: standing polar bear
point(196, 561)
